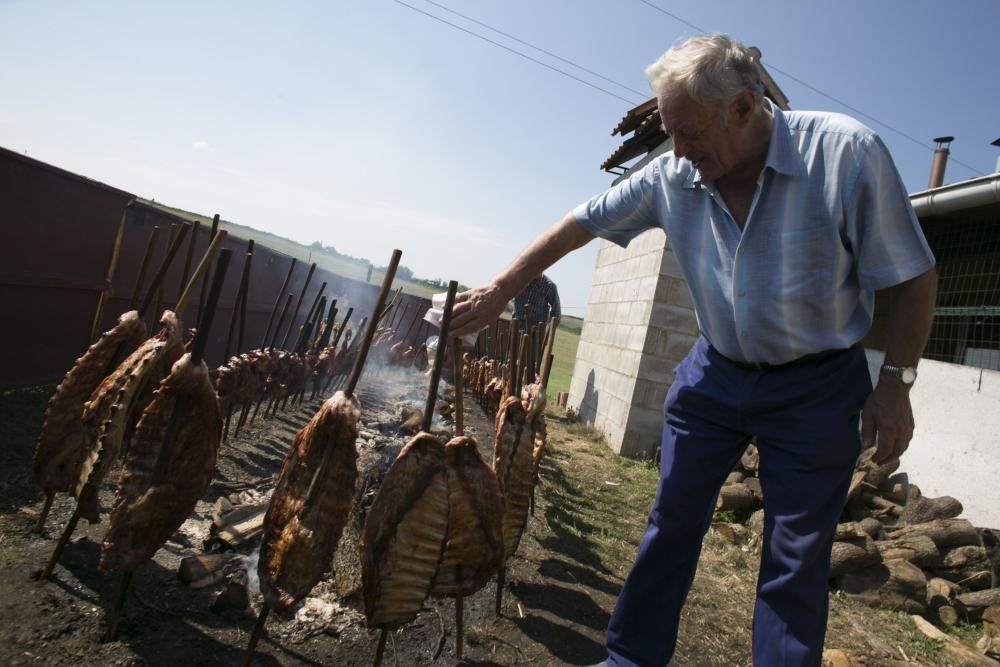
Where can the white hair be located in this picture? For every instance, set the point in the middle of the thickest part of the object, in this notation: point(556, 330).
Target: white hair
point(711, 69)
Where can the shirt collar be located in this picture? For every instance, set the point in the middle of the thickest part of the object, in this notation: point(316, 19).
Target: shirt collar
point(780, 156)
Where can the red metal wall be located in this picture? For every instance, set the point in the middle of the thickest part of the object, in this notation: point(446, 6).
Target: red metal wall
point(57, 231)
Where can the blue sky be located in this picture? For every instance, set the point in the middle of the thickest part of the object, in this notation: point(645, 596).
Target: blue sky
point(368, 125)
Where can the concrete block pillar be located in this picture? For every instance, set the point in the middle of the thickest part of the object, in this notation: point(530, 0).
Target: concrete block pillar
point(639, 325)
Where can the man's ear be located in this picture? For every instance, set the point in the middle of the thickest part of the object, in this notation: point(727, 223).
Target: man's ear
point(742, 108)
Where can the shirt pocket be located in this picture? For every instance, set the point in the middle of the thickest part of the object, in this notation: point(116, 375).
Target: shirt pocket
point(805, 261)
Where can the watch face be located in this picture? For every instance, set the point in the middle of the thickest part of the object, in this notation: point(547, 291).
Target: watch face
point(908, 376)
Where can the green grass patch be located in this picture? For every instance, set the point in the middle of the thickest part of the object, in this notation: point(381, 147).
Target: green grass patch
point(564, 350)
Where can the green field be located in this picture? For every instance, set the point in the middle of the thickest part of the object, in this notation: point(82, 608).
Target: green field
point(564, 350)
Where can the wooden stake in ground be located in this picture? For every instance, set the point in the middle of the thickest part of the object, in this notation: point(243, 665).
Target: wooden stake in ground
point(240, 301)
point(298, 305)
point(292, 536)
point(204, 284)
point(154, 234)
point(102, 296)
point(277, 303)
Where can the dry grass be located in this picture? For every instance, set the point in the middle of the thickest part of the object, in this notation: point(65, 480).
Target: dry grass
point(600, 501)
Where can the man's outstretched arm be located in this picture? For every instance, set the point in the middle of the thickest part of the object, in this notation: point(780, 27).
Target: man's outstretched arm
point(481, 306)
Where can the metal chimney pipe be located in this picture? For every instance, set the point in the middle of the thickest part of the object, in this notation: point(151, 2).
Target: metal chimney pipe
point(939, 162)
point(996, 142)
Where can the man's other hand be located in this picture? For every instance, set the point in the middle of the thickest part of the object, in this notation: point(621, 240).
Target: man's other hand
point(887, 420)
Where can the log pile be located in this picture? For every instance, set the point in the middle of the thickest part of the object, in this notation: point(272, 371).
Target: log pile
point(894, 547)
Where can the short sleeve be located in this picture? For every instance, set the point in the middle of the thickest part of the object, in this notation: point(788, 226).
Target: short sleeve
point(626, 210)
point(889, 245)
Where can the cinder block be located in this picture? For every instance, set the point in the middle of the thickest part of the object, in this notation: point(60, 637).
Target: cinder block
point(648, 394)
point(673, 318)
point(636, 338)
point(656, 369)
point(679, 345)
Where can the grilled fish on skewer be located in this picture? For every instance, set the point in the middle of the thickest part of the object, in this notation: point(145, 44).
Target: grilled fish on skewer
point(147, 510)
point(65, 439)
point(404, 534)
point(474, 546)
point(298, 542)
point(133, 373)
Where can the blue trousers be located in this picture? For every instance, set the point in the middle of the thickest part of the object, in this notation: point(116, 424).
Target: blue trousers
point(805, 417)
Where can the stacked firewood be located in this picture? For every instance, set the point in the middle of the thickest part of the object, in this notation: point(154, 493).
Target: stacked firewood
point(894, 548)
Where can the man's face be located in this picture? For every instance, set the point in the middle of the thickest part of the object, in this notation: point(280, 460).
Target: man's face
point(698, 135)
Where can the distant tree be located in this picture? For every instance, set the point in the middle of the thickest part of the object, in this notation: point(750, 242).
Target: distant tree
point(402, 272)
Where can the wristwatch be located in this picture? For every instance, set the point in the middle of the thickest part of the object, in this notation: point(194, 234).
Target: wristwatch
point(905, 374)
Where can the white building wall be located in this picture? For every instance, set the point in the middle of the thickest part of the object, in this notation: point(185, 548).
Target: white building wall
point(955, 449)
point(639, 325)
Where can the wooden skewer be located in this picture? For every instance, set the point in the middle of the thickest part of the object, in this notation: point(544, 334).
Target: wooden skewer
point(61, 544)
point(309, 317)
point(44, 514)
point(277, 303)
point(323, 336)
point(143, 266)
point(102, 296)
point(409, 330)
point(550, 340)
point(284, 311)
point(359, 362)
point(511, 389)
point(388, 309)
point(295, 314)
point(204, 283)
point(336, 340)
point(171, 235)
point(240, 300)
point(188, 259)
point(459, 431)
point(123, 585)
point(459, 388)
point(258, 629)
point(243, 309)
point(439, 356)
point(162, 271)
point(200, 270)
point(381, 647)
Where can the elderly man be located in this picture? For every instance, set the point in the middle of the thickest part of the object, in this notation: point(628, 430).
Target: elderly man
point(783, 224)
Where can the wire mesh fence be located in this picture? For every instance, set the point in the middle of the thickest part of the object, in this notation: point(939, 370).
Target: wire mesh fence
point(966, 328)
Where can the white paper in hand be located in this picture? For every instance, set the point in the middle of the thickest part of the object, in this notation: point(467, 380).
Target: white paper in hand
point(435, 314)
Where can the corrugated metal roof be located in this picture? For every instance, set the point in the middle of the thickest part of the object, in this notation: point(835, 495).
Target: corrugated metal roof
point(644, 122)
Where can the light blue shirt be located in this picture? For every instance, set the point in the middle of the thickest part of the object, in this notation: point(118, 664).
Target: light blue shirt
point(830, 223)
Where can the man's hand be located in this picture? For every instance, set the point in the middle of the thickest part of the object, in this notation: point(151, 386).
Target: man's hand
point(476, 309)
point(887, 420)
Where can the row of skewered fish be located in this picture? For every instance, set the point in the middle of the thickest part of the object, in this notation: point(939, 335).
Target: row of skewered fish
point(441, 525)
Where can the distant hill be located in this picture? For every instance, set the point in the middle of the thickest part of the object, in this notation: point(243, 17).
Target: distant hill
point(325, 257)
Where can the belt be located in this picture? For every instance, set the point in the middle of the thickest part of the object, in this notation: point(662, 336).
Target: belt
point(812, 356)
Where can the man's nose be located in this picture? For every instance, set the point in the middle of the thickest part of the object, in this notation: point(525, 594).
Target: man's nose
point(680, 148)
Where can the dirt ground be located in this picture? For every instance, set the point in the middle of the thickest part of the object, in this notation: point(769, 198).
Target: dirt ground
point(555, 606)
point(559, 591)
